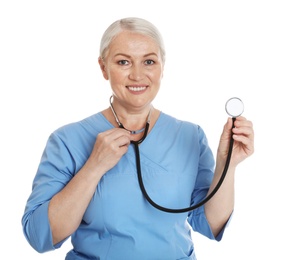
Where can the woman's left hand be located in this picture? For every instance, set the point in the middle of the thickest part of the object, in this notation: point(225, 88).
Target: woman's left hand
point(243, 135)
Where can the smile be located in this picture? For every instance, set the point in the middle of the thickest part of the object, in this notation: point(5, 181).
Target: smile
point(136, 88)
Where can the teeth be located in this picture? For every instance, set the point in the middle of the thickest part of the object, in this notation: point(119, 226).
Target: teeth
point(137, 88)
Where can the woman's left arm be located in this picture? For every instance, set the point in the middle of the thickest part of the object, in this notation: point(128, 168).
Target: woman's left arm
point(220, 207)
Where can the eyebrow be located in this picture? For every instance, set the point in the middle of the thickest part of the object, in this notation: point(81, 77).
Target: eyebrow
point(129, 56)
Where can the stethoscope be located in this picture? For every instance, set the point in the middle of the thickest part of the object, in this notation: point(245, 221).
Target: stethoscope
point(234, 108)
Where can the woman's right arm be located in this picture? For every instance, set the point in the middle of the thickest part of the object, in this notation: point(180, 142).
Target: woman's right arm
point(67, 207)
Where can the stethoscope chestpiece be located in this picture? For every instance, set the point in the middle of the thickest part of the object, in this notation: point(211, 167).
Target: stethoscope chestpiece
point(234, 107)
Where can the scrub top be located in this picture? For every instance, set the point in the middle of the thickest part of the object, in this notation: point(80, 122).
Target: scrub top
point(177, 168)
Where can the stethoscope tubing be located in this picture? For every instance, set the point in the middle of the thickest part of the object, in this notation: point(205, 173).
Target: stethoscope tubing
point(190, 208)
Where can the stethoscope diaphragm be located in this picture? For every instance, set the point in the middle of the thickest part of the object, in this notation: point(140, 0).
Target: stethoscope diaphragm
point(234, 107)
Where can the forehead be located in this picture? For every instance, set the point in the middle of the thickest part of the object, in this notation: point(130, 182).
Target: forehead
point(131, 42)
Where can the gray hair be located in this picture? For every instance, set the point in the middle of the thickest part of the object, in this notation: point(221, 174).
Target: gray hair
point(133, 24)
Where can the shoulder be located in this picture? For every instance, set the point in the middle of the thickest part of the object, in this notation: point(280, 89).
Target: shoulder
point(94, 123)
point(170, 121)
point(173, 126)
point(81, 131)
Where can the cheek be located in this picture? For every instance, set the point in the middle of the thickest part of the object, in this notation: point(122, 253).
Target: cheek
point(116, 77)
point(156, 76)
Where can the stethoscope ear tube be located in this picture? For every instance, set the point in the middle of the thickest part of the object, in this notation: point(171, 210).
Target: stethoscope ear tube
point(182, 210)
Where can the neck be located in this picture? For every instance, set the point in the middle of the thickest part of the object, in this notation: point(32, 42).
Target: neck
point(136, 129)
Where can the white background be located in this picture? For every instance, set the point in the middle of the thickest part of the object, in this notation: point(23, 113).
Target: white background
point(49, 76)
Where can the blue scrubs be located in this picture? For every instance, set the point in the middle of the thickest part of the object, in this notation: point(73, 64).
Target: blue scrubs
point(177, 168)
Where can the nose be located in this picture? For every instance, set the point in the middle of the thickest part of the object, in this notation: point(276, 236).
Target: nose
point(136, 72)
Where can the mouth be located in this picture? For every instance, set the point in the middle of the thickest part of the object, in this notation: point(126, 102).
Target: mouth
point(137, 88)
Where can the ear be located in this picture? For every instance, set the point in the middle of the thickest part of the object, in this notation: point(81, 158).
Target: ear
point(103, 68)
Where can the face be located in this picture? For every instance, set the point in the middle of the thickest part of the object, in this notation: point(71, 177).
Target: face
point(134, 68)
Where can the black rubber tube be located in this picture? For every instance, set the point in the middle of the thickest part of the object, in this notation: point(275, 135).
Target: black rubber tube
point(182, 210)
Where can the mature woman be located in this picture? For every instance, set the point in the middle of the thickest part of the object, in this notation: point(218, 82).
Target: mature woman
point(87, 186)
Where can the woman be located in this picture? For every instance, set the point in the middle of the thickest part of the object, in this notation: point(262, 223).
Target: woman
point(87, 187)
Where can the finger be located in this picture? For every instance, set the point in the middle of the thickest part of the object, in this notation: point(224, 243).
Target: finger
point(244, 130)
point(244, 127)
point(227, 129)
point(122, 141)
point(117, 138)
point(247, 143)
point(116, 132)
point(244, 134)
point(242, 121)
point(113, 134)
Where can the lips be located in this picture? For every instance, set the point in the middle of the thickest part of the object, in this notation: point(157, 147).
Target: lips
point(136, 88)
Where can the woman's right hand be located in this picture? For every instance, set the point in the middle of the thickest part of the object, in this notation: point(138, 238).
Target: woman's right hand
point(108, 149)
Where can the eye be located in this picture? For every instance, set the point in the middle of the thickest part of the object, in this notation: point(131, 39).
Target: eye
point(149, 62)
point(123, 62)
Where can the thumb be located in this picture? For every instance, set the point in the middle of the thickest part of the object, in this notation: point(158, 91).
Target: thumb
point(227, 128)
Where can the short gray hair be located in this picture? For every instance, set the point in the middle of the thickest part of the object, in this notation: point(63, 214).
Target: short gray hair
point(132, 24)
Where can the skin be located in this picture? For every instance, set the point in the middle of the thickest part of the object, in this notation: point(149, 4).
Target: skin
point(134, 68)
point(133, 62)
